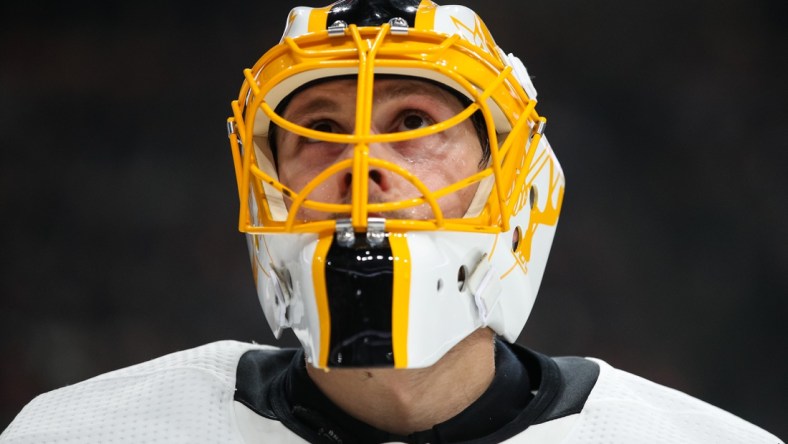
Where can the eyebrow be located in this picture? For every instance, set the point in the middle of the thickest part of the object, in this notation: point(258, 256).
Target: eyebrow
point(327, 104)
point(316, 104)
point(402, 89)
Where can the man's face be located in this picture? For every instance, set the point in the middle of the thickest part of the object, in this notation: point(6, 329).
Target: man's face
point(399, 105)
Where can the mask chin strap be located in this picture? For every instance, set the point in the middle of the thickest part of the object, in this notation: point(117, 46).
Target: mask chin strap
point(482, 194)
point(265, 162)
point(486, 289)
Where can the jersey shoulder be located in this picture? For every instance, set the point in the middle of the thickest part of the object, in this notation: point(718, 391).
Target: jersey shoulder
point(626, 408)
point(185, 395)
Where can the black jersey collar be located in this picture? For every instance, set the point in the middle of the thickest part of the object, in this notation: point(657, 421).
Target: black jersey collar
point(500, 404)
point(275, 385)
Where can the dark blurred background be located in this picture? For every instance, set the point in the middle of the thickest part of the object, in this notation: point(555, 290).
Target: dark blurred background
point(118, 202)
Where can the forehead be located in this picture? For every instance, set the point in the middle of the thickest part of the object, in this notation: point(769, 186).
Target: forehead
point(329, 94)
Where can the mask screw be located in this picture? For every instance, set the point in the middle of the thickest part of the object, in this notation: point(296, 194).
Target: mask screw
point(337, 29)
point(399, 26)
point(376, 231)
point(345, 234)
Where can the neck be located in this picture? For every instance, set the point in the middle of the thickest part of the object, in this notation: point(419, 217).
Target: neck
point(407, 401)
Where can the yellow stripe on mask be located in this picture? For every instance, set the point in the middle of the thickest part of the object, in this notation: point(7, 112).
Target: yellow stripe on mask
point(318, 18)
point(425, 15)
point(400, 298)
point(321, 296)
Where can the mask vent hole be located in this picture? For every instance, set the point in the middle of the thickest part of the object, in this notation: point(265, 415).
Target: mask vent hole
point(462, 274)
point(532, 196)
point(516, 236)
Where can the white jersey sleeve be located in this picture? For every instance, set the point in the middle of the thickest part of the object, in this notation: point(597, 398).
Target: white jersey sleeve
point(627, 409)
point(182, 397)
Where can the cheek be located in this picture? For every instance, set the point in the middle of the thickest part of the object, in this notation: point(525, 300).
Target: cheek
point(461, 160)
point(450, 162)
point(296, 169)
point(296, 177)
point(288, 177)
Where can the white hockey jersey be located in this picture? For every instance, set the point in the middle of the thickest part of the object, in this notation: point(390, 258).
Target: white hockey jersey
point(190, 397)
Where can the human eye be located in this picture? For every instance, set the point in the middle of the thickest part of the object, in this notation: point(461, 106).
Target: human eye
point(413, 120)
point(324, 126)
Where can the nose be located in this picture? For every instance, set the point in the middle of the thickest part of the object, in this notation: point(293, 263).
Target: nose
point(381, 180)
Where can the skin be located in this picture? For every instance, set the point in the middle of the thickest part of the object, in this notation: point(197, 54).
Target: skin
point(397, 401)
point(407, 401)
point(437, 160)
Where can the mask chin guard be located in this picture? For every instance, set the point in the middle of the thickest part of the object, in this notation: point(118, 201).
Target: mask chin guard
point(359, 276)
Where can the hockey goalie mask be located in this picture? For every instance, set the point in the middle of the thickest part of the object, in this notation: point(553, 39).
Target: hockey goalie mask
point(396, 189)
